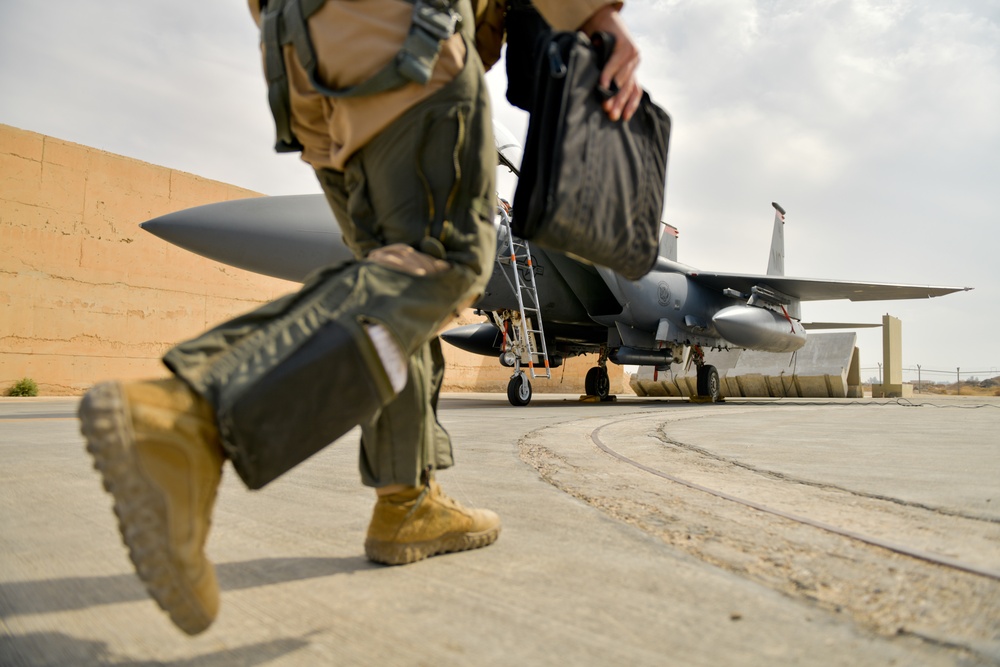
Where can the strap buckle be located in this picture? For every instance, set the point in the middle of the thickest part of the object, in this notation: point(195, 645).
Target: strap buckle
point(433, 22)
point(436, 17)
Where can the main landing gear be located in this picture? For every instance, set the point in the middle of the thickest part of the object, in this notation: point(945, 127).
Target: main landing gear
point(708, 386)
point(598, 383)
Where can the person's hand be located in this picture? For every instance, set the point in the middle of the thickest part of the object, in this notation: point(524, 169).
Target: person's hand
point(622, 64)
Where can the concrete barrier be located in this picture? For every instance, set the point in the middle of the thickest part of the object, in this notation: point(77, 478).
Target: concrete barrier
point(827, 366)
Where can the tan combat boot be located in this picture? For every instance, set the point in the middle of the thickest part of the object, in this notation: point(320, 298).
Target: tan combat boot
point(157, 448)
point(417, 523)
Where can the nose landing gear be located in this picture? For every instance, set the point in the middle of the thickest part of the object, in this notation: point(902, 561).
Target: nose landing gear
point(519, 389)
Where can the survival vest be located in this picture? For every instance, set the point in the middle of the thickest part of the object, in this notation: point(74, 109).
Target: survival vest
point(285, 22)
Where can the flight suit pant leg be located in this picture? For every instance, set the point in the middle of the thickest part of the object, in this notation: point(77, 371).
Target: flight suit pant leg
point(405, 438)
point(430, 175)
point(287, 378)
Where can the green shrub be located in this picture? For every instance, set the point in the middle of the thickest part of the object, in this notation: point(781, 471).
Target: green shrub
point(23, 387)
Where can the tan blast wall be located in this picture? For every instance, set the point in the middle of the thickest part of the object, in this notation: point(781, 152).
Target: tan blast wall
point(86, 295)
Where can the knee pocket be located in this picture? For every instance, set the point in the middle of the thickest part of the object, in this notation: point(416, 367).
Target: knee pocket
point(317, 393)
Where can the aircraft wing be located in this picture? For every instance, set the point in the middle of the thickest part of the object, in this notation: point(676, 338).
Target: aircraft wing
point(818, 326)
point(812, 289)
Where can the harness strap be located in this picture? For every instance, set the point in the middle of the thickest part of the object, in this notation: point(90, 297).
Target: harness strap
point(278, 97)
point(285, 22)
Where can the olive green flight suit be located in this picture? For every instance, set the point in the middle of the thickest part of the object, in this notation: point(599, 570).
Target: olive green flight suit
point(291, 376)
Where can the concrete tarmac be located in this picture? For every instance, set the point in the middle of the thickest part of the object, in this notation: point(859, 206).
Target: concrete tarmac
point(642, 532)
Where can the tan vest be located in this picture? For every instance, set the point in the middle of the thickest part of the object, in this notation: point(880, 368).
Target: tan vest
point(353, 39)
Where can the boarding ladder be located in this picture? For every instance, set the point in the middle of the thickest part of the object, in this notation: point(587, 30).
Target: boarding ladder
point(528, 343)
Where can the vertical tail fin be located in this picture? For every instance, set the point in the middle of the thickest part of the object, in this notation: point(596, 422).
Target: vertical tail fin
point(776, 263)
point(668, 241)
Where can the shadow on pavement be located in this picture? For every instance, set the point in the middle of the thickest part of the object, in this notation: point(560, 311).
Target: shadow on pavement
point(57, 648)
point(71, 593)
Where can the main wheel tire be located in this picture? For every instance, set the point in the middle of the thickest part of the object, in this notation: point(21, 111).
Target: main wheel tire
point(598, 383)
point(709, 385)
point(519, 390)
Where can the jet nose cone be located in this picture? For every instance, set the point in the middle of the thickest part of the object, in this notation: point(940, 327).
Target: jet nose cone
point(179, 228)
point(285, 237)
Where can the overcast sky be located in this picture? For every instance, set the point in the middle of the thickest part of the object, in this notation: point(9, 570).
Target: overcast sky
point(874, 123)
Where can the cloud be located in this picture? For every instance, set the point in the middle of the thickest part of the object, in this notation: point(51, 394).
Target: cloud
point(872, 121)
point(834, 97)
point(175, 83)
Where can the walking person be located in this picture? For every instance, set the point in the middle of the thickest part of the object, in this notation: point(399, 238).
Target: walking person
point(408, 168)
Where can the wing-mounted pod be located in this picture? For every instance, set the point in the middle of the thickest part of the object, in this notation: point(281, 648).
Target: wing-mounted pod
point(769, 321)
point(767, 297)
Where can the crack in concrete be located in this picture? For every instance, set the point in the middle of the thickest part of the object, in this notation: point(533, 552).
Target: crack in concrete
point(784, 477)
point(884, 592)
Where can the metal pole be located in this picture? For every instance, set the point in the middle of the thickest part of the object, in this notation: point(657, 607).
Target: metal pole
point(958, 380)
point(918, 380)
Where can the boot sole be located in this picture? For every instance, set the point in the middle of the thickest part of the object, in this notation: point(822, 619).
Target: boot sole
point(139, 506)
point(395, 553)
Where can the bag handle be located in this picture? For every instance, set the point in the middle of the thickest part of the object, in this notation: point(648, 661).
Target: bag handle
point(604, 46)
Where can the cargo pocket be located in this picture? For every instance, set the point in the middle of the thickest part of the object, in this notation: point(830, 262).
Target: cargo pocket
point(361, 228)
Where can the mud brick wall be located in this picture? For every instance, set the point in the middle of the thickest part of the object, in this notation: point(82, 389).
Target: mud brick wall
point(86, 295)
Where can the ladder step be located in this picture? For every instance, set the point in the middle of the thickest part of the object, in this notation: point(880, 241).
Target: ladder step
point(530, 341)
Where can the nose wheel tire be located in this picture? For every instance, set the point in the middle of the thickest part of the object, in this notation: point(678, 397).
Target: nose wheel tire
point(519, 390)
